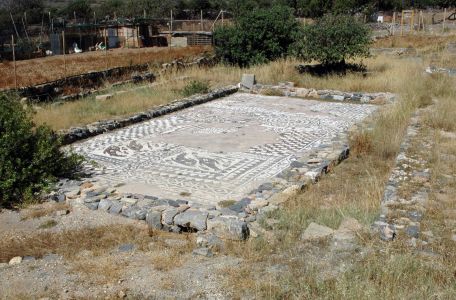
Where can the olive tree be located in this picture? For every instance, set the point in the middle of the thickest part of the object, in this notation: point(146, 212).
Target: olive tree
point(332, 40)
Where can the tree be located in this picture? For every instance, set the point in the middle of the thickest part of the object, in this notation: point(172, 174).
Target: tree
point(332, 40)
point(256, 37)
point(30, 10)
point(30, 156)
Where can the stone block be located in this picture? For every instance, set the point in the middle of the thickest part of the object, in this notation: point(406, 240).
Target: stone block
point(105, 204)
point(315, 231)
point(103, 97)
point(248, 81)
point(168, 216)
point(192, 219)
point(116, 208)
point(153, 219)
point(228, 228)
point(15, 260)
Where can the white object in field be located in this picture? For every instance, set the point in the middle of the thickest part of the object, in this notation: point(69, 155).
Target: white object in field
point(380, 19)
point(76, 48)
point(48, 52)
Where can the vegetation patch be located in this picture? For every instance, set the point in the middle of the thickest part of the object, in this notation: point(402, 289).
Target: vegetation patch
point(30, 156)
point(195, 87)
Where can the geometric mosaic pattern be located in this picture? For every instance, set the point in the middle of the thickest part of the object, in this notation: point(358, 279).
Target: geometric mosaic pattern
point(218, 150)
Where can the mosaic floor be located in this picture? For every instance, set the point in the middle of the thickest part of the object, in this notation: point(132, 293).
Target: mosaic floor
point(219, 150)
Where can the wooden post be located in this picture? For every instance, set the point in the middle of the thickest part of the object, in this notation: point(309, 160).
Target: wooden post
point(106, 47)
point(422, 21)
point(64, 55)
point(171, 29)
point(444, 19)
point(202, 26)
point(412, 21)
point(139, 45)
point(402, 24)
point(394, 24)
point(223, 18)
point(14, 60)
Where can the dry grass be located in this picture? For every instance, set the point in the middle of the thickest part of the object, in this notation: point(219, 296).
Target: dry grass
point(354, 189)
point(419, 41)
point(42, 210)
point(97, 240)
point(100, 270)
point(35, 71)
point(89, 110)
point(385, 72)
point(444, 115)
point(69, 243)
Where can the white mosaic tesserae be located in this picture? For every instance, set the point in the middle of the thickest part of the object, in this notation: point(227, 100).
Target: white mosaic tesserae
point(219, 150)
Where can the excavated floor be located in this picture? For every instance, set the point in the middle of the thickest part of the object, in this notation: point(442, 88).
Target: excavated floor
point(220, 150)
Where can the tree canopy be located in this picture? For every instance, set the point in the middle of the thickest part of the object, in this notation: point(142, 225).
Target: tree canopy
point(257, 36)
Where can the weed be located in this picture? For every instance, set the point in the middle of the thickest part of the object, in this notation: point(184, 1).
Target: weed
point(226, 203)
point(48, 224)
point(195, 87)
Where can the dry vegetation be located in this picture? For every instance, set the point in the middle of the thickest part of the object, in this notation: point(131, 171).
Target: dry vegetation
point(70, 243)
point(43, 210)
point(413, 41)
point(40, 70)
point(355, 189)
point(384, 76)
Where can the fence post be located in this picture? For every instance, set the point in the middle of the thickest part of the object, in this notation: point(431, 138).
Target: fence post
point(444, 18)
point(202, 26)
point(106, 47)
point(64, 54)
point(412, 22)
point(171, 29)
point(394, 24)
point(402, 23)
point(14, 61)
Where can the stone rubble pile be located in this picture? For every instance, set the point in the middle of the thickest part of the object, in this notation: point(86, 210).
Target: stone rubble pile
point(401, 214)
point(436, 70)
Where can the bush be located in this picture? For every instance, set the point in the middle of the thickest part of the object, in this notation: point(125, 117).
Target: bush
point(30, 156)
point(332, 40)
point(195, 87)
point(257, 36)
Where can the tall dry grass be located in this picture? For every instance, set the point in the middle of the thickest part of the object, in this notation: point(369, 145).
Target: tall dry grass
point(131, 100)
point(383, 77)
point(354, 189)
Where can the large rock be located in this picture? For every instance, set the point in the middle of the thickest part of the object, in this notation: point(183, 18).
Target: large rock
point(15, 260)
point(248, 81)
point(153, 219)
point(228, 228)
point(116, 208)
point(168, 216)
point(105, 204)
point(192, 219)
point(209, 240)
point(315, 232)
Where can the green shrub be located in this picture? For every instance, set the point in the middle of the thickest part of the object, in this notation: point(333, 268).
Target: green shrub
point(332, 40)
point(30, 156)
point(195, 87)
point(257, 36)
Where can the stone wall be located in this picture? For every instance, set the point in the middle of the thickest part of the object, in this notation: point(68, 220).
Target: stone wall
point(89, 81)
point(288, 89)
